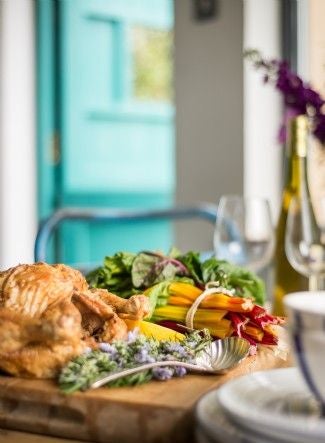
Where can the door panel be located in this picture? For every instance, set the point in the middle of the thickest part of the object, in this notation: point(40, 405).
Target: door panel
point(102, 241)
point(132, 151)
point(117, 142)
point(102, 124)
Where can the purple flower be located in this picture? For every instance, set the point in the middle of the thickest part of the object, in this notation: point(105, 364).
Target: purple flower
point(105, 347)
point(319, 130)
point(288, 115)
point(174, 347)
point(162, 373)
point(109, 349)
point(132, 335)
point(180, 371)
point(299, 98)
point(143, 356)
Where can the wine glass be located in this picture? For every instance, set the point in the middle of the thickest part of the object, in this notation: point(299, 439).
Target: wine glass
point(305, 242)
point(244, 234)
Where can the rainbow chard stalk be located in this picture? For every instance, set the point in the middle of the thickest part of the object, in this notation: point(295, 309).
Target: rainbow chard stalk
point(221, 314)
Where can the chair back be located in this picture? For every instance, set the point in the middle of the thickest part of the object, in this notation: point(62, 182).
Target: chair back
point(203, 211)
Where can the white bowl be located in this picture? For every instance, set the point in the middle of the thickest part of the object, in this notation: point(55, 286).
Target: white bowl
point(306, 327)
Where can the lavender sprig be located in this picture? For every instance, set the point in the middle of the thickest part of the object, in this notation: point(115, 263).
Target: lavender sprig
point(82, 371)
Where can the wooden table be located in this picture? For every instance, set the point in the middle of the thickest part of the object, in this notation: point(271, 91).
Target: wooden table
point(9, 436)
point(157, 412)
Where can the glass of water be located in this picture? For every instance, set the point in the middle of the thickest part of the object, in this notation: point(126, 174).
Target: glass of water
point(244, 233)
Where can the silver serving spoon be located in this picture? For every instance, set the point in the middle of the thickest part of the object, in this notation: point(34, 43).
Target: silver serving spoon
point(216, 358)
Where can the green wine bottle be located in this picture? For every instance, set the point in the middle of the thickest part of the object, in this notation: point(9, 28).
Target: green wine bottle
point(287, 279)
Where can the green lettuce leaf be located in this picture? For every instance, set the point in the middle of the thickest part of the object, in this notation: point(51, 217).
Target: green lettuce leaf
point(115, 274)
point(193, 263)
point(158, 296)
point(245, 282)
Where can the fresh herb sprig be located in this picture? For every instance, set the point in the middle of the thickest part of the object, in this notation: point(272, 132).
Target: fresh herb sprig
point(82, 371)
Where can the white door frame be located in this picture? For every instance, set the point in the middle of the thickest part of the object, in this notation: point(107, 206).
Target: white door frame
point(262, 105)
point(18, 215)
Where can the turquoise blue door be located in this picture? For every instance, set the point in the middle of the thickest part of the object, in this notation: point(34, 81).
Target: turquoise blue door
point(112, 114)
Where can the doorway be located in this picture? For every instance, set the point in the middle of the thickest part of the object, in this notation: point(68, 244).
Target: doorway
point(105, 119)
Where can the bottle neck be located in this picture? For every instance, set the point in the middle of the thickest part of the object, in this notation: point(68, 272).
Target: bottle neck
point(296, 180)
point(297, 174)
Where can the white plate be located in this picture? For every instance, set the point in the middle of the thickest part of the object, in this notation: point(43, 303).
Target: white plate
point(276, 404)
point(201, 436)
point(213, 426)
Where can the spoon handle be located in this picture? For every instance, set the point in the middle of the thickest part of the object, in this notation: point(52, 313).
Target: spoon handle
point(123, 373)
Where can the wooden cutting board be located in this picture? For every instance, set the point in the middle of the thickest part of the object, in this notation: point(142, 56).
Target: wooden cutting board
point(158, 412)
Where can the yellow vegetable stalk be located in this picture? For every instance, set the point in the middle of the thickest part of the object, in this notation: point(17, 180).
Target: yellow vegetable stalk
point(220, 329)
point(232, 304)
point(179, 301)
point(178, 313)
point(272, 329)
point(185, 290)
point(216, 301)
point(155, 331)
point(254, 332)
point(211, 311)
point(211, 319)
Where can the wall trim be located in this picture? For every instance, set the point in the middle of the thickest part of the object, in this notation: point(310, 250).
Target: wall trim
point(262, 105)
point(18, 219)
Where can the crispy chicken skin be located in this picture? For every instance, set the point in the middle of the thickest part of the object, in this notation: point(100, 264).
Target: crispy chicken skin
point(40, 329)
point(33, 347)
point(63, 322)
point(98, 318)
point(48, 315)
point(133, 308)
point(31, 289)
point(17, 330)
point(102, 312)
point(39, 361)
point(70, 274)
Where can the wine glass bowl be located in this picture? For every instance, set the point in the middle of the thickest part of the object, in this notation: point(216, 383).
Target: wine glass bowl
point(305, 242)
point(244, 233)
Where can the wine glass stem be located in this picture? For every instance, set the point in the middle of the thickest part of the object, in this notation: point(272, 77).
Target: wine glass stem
point(316, 282)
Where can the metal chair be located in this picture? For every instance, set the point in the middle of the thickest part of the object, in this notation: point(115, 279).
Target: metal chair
point(203, 211)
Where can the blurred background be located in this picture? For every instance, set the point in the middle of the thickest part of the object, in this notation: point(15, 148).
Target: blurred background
point(142, 104)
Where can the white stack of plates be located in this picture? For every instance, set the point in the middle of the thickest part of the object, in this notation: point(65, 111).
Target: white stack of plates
point(264, 407)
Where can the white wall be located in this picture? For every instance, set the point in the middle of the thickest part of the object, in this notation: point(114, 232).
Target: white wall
point(17, 132)
point(262, 105)
point(209, 106)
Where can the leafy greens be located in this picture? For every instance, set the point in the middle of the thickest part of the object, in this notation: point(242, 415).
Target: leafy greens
point(126, 273)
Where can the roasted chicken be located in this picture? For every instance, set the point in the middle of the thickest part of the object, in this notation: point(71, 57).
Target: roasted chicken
point(98, 318)
point(33, 347)
point(48, 315)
